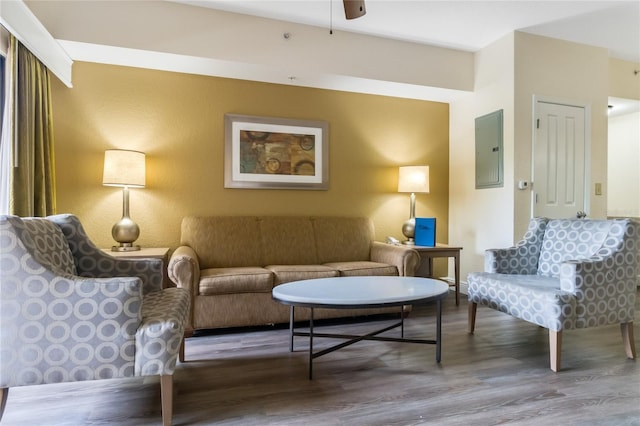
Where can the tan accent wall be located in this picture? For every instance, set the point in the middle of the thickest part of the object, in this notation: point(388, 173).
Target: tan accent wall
point(178, 121)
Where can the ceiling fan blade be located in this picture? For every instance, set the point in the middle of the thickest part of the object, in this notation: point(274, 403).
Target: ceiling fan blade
point(354, 8)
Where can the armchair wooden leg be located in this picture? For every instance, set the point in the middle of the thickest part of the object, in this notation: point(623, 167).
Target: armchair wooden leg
point(473, 307)
point(627, 337)
point(555, 349)
point(166, 395)
point(4, 392)
point(181, 352)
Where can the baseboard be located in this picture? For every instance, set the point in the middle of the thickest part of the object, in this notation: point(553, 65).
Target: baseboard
point(464, 287)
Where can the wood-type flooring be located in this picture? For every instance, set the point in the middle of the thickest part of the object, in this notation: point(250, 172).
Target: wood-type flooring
point(500, 375)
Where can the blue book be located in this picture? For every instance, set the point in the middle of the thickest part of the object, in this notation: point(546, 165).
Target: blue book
point(425, 231)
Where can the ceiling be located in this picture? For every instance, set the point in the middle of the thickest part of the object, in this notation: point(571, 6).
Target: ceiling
point(463, 25)
point(248, 50)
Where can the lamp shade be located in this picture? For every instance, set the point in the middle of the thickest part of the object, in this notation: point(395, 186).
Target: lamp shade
point(413, 179)
point(124, 168)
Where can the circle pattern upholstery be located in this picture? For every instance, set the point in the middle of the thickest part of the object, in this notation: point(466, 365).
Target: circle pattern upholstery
point(57, 326)
point(564, 274)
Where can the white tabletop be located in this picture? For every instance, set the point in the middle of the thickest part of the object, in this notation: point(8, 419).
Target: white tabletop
point(359, 291)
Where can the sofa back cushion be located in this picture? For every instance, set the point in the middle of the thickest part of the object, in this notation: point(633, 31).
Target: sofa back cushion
point(223, 241)
point(228, 241)
point(287, 240)
point(566, 239)
point(344, 239)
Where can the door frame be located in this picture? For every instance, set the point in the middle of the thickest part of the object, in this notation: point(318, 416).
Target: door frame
point(587, 143)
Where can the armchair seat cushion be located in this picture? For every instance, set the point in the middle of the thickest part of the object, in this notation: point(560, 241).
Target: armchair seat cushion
point(363, 267)
point(534, 298)
point(244, 279)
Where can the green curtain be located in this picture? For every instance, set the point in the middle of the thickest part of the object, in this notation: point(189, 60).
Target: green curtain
point(33, 187)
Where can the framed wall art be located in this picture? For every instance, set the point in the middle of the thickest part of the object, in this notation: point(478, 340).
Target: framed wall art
point(275, 153)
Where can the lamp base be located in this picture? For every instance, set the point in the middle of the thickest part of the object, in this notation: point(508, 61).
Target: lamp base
point(125, 232)
point(409, 231)
point(125, 247)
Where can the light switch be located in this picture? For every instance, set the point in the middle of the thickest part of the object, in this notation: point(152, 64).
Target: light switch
point(598, 189)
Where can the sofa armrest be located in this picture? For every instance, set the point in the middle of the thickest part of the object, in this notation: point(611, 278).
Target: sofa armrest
point(406, 259)
point(184, 269)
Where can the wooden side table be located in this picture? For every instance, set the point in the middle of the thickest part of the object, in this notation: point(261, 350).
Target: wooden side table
point(147, 252)
point(427, 254)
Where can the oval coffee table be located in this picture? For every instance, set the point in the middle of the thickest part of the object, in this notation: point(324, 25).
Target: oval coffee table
point(361, 293)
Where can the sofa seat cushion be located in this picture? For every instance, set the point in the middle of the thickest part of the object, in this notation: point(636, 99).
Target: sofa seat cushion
point(363, 267)
point(534, 298)
point(287, 273)
point(245, 279)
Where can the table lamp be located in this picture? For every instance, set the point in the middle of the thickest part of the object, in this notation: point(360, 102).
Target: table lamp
point(126, 169)
point(412, 179)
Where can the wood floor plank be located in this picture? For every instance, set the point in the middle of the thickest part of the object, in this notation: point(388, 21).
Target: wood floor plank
point(499, 375)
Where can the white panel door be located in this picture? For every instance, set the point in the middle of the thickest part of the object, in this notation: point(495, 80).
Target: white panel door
point(559, 169)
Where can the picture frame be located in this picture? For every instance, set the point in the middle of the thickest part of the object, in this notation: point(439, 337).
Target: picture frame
point(275, 153)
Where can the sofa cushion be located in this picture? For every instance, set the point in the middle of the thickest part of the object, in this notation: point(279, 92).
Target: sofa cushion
point(342, 239)
point(223, 241)
point(50, 247)
point(244, 279)
point(567, 239)
point(287, 241)
point(360, 268)
point(287, 273)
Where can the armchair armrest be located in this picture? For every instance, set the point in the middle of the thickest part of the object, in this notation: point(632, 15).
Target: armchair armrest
point(522, 258)
point(87, 319)
point(164, 316)
point(511, 260)
point(148, 270)
point(184, 269)
point(94, 263)
point(406, 259)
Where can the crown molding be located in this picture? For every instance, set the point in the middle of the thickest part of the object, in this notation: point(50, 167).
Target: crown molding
point(18, 19)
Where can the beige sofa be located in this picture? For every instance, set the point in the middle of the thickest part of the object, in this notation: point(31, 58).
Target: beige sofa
point(230, 264)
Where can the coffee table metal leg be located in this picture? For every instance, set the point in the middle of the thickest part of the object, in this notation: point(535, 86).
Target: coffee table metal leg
point(438, 329)
point(311, 345)
point(402, 321)
point(291, 318)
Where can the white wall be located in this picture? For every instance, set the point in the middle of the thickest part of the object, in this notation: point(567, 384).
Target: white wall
point(481, 218)
point(564, 71)
point(623, 189)
point(508, 74)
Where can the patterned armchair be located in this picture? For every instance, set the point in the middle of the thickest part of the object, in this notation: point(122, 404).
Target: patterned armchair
point(70, 312)
point(564, 274)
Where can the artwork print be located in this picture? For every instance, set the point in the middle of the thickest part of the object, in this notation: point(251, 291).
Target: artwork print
point(275, 153)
